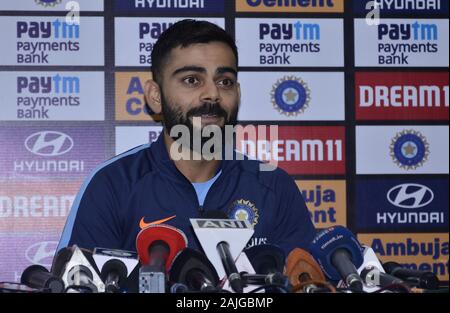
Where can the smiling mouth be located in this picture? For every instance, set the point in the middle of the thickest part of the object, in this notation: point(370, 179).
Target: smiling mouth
point(208, 118)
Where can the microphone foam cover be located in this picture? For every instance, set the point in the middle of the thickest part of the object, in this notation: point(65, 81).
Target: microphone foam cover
point(187, 260)
point(175, 239)
point(60, 260)
point(114, 265)
point(298, 262)
point(266, 257)
point(328, 241)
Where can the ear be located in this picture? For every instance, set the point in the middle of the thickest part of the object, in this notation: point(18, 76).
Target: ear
point(239, 90)
point(153, 95)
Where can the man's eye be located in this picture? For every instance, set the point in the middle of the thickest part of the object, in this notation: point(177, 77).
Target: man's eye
point(226, 82)
point(191, 80)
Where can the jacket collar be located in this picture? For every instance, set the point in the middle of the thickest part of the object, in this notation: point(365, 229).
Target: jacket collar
point(160, 155)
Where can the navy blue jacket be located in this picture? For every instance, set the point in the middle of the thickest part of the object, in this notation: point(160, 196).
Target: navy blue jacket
point(143, 185)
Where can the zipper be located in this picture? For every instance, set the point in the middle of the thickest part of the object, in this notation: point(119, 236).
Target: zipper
point(201, 210)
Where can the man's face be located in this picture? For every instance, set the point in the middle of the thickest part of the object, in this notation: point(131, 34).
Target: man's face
point(200, 81)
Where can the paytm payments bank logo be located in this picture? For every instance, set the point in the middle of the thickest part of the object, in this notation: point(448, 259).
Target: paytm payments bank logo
point(136, 36)
point(31, 152)
point(301, 6)
point(402, 42)
point(405, 205)
point(130, 101)
point(292, 96)
point(170, 6)
point(326, 201)
point(51, 41)
point(424, 252)
point(52, 95)
point(402, 95)
point(297, 149)
point(290, 42)
point(389, 7)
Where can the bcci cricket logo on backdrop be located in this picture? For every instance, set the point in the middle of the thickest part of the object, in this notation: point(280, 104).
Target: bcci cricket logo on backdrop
point(290, 96)
point(409, 149)
point(244, 210)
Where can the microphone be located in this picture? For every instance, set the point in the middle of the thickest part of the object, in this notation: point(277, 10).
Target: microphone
point(223, 249)
point(38, 277)
point(116, 266)
point(305, 274)
point(339, 255)
point(372, 276)
point(421, 279)
point(268, 262)
point(157, 246)
point(76, 268)
point(113, 274)
point(193, 270)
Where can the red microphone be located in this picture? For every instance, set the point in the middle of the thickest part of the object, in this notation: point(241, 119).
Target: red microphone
point(157, 246)
point(157, 241)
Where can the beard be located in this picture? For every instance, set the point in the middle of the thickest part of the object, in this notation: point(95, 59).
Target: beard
point(172, 115)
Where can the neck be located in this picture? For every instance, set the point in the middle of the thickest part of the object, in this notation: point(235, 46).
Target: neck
point(195, 168)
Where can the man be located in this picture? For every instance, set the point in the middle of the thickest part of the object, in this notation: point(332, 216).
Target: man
point(194, 67)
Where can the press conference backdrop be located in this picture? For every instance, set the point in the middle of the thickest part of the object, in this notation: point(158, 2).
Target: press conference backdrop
point(362, 111)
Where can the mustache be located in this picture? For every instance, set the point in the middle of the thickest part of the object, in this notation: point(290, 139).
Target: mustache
point(207, 108)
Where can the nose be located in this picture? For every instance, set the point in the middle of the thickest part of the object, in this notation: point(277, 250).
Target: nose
point(210, 92)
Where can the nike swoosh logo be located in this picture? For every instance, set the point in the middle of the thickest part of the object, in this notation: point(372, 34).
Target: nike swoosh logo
point(143, 224)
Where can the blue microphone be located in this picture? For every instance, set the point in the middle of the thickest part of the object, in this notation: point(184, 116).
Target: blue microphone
point(339, 254)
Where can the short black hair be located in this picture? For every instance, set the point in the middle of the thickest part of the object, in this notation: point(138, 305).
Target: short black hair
point(184, 33)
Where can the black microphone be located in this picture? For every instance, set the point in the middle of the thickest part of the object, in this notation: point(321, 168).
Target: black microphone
point(268, 262)
point(37, 276)
point(223, 249)
point(339, 254)
point(193, 270)
point(372, 276)
point(421, 279)
point(115, 267)
point(113, 273)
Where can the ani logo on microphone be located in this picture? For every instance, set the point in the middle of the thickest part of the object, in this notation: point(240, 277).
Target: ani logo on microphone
point(409, 149)
point(244, 210)
point(48, 3)
point(290, 96)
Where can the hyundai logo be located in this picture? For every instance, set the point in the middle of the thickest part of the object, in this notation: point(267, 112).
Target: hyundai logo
point(410, 196)
point(41, 253)
point(49, 143)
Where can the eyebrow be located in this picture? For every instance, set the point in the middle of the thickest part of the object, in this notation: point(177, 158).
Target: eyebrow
point(199, 69)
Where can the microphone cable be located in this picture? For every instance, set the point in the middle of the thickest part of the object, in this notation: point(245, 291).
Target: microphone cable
point(326, 286)
point(400, 288)
point(282, 289)
point(79, 288)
